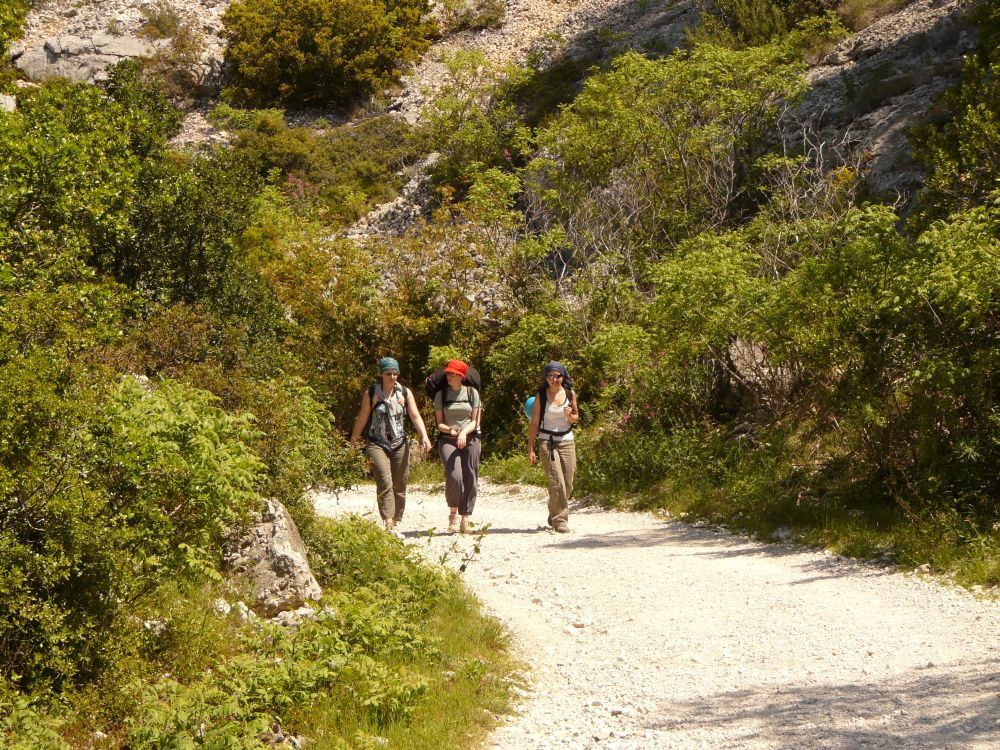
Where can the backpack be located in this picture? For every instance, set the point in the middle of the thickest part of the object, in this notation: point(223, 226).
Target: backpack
point(438, 381)
point(542, 398)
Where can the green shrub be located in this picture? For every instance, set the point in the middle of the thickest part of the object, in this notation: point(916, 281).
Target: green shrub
point(342, 171)
point(722, 101)
point(472, 122)
point(162, 21)
point(962, 155)
point(12, 15)
point(134, 495)
point(319, 51)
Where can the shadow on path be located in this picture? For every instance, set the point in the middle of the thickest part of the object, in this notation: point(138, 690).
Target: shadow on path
point(923, 709)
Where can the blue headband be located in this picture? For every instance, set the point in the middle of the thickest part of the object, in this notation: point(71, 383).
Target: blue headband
point(388, 363)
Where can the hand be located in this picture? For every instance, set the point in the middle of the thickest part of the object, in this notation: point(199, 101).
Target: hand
point(425, 444)
point(532, 458)
point(462, 440)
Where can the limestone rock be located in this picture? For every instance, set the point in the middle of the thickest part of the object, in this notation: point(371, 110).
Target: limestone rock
point(272, 558)
point(878, 84)
point(84, 59)
point(7, 103)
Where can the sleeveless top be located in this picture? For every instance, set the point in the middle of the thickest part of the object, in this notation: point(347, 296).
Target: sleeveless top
point(386, 428)
point(554, 420)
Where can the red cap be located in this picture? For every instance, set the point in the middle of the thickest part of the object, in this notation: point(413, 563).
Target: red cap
point(456, 367)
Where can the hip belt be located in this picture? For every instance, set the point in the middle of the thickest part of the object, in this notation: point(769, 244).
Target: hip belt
point(553, 434)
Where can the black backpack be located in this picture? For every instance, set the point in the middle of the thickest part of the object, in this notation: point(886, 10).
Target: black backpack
point(437, 381)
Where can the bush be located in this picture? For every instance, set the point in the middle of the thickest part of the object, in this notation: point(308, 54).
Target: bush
point(162, 21)
point(12, 15)
point(963, 154)
point(340, 173)
point(626, 200)
point(136, 494)
point(319, 51)
point(472, 122)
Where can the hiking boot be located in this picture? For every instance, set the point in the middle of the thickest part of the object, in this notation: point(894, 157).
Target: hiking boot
point(453, 523)
point(561, 528)
point(465, 528)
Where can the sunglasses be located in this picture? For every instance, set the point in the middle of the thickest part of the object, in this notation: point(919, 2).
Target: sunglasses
point(554, 375)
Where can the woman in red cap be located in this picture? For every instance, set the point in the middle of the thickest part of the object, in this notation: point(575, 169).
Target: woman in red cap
point(456, 411)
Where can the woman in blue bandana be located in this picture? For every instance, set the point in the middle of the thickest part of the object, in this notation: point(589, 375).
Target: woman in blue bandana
point(386, 446)
point(553, 414)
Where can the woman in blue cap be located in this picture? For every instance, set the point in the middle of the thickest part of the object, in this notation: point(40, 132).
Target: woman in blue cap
point(553, 415)
point(386, 446)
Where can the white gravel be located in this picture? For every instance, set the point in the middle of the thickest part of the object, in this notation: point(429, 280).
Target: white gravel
point(647, 633)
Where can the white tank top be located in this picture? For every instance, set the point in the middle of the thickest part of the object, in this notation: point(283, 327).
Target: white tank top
point(554, 419)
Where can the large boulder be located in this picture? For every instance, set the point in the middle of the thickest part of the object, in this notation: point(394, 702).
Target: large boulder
point(272, 559)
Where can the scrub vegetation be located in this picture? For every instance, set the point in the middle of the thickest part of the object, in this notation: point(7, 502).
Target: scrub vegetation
point(186, 333)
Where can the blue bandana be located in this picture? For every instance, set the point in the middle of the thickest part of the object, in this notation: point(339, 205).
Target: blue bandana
point(388, 363)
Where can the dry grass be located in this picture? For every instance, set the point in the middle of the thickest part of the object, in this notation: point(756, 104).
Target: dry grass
point(860, 14)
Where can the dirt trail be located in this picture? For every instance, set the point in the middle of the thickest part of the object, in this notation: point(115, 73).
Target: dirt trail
point(644, 633)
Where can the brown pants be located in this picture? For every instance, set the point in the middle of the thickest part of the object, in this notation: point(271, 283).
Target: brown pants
point(560, 468)
point(391, 469)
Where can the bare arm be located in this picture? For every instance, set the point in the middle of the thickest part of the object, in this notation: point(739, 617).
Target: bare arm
point(362, 419)
point(572, 409)
point(417, 420)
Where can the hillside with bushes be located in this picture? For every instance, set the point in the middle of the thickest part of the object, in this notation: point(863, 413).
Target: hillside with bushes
point(761, 335)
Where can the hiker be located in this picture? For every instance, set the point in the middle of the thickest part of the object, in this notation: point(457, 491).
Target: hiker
point(456, 411)
point(554, 412)
point(386, 445)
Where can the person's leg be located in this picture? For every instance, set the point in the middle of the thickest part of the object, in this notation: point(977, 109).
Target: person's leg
point(451, 460)
point(558, 505)
point(399, 460)
point(566, 455)
point(470, 481)
point(382, 471)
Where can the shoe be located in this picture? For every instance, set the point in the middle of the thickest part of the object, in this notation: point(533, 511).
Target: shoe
point(465, 528)
point(561, 528)
point(453, 523)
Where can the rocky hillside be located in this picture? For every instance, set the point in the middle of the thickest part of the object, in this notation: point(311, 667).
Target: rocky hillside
point(867, 94)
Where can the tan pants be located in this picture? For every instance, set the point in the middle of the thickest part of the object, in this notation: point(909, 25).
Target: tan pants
point(391, 469)
point(560, 470)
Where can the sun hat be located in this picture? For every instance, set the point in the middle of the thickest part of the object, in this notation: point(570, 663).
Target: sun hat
point(456, 367)
point(388, 363)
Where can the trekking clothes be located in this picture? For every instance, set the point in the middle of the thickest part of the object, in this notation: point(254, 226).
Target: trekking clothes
point(457, 406)
point(461, 472)
point(560, 469)
point(391, 469)
point(555, 427)
point(386, 428)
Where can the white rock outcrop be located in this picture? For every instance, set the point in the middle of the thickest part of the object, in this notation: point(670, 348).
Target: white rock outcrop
point(272, 559)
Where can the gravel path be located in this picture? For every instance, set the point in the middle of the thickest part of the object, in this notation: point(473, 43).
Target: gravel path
point(644, 633)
